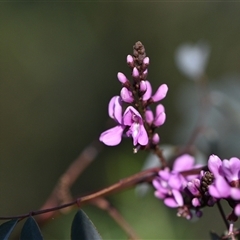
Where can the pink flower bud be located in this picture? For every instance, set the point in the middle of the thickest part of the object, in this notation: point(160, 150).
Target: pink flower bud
point(135, 73)
point(155, 139)
point(160, 93)
point(122, 78)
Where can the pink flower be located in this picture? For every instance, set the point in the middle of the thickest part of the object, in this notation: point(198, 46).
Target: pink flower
point(131, 122)
point(133, 119)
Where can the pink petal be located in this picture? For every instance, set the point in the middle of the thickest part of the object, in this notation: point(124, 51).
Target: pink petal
point(143, 137)
point(222, 187)
point(146, 61)
point(196, 202)
point(126, 95)
point(143, 86)
point(175, 181)
point(156, 183)
point(148, 92)
point(170, 202)
point(128, 115)
point(159, 195)
point(155, 139)
point(214, 165)
point(135, 72)
point(164, 174)
point(115, 109)
point(213, 191)
point(235, 193)
point(184, 162)
point(237, 210)
point(111, 107)
point(149, 116)
point(122, 78)
point(117, 112)
point(129, 59)
point(178, 197)
point(160, 93)
point(231, 169)
point(112, 136)
point(160, 119)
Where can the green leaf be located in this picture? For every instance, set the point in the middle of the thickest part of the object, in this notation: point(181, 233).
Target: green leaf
point(6, 229)
point(30, 230)
point(83, 228)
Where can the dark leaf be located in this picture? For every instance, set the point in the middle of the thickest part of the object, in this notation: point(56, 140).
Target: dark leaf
point(214, 236)
point(6, 229)
point(30, 230)
point(83, 228)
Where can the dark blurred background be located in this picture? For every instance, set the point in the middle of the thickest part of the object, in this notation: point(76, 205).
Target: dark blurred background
point(58, 67)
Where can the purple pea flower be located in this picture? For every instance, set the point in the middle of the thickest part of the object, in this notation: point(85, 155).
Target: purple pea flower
point(136, 95)
point(227, 180)
point(133, 119)
point(131, 122)
point(170, 185)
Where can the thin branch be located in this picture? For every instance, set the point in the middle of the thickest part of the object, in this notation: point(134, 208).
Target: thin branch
point(103, 204)
point(144, 176)
point(61, 193)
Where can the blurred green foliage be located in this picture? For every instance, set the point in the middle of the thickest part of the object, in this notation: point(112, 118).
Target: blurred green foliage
point(58, 66)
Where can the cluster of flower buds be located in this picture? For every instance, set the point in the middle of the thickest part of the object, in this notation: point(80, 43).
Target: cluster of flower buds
point(182, 188)
point(131, 109)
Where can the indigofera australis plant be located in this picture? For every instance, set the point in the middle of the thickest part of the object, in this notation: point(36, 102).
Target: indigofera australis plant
point(181, 183)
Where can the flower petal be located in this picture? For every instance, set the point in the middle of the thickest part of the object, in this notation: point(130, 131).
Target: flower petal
point(129, 116)
point(214, 165)
point(148, 92)
point(160, 119)
point(235, 193)
point(149, 116)
point(112, 136)
point(178, 197)
point(115, 109)
point(160, 93)
point(143, 137)
point(170, 202)
point(122, 78)
point(231, 169)
point(126, 95)
point(175, 181)
point(237, 210)
point(183, 163)
point(111, 107)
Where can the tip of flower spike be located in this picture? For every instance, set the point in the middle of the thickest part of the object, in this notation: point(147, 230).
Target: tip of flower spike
point(122, 78)
point(139, 53)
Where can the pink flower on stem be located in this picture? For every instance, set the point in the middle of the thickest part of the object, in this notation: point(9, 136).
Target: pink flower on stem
point(131, 122)
point(133, 119)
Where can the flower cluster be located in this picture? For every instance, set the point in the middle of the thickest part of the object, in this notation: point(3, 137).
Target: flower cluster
point(173, 187)
point(226, 183)
point(131, 109)
point(182, 188)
